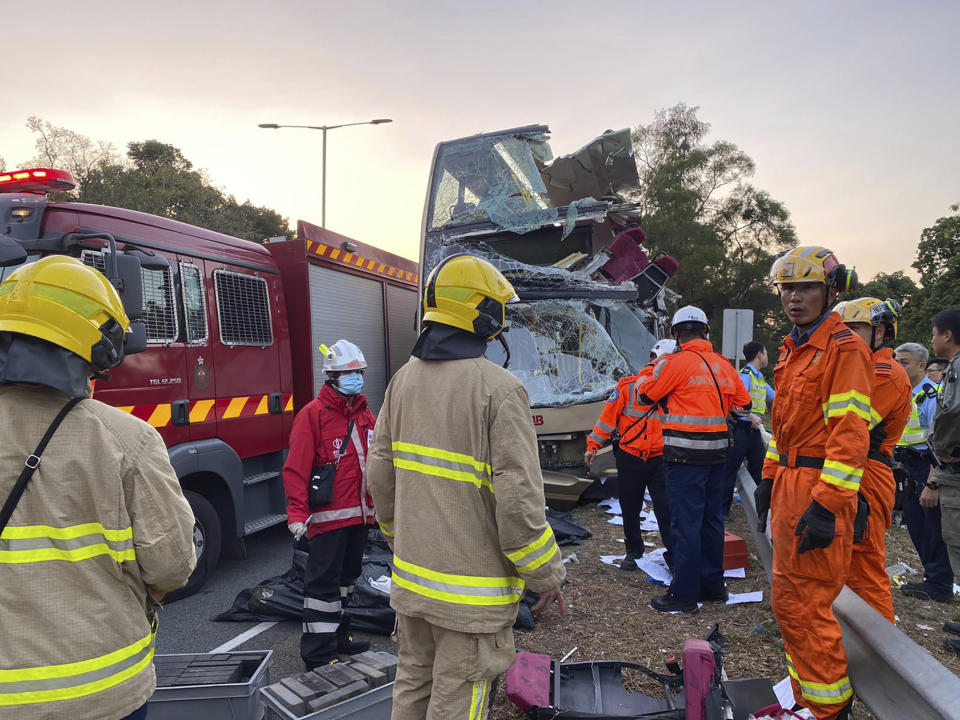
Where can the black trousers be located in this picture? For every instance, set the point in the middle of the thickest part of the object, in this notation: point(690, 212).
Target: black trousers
point(633, 477)
point(333, 565)
point(747, 445)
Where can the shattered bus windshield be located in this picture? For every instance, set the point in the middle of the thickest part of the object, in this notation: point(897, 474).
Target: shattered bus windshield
point(560, 352)
point(492, 179)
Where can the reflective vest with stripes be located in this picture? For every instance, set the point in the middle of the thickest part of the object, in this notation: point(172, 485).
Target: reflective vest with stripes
point(102, 518)
point(914, 433)
point(758, 392)
point(637, 425)
point(698, 399)
point(455, 474)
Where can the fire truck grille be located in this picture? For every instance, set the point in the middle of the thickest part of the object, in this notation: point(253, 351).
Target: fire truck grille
point(243, 306)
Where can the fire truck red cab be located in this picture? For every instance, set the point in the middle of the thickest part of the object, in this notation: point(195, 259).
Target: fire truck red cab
point(232, 329)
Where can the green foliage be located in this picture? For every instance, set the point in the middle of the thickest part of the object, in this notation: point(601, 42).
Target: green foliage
point(154, 178)
point(700, 208)
point(938, 262)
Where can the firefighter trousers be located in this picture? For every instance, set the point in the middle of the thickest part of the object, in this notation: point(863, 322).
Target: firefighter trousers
point(802, 594)
point(443, 673)
point(925, 531)
point(333, 565)
point(634, 477)
point(868, 565)
point(696, 528)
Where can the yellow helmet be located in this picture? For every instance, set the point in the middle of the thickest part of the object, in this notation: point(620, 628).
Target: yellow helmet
point(813, 263)
point(469, 293)
point(62, 301)
point(873, 311)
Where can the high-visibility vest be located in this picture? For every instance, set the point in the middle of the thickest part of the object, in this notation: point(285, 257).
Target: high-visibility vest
point(913, 433)
point(758, 392)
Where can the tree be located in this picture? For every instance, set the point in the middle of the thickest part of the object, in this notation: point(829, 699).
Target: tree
point(155, 178)
point(67, 150)
point(938, 262)
point(699, 207)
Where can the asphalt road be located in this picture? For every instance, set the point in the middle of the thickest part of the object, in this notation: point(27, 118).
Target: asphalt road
point(186, 626)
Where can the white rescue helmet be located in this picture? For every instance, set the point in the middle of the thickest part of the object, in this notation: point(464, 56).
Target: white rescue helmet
point(663, 347)
point(689, 313)
point(342, 356)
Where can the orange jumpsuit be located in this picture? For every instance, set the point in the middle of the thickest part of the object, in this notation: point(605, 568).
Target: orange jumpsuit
point(890, 405)
point(623, 412)
point(818, 452)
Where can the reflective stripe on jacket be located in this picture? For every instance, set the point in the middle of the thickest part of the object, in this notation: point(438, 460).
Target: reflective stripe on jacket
point(890, 402)
point(638, 427)
point(102, 521)
point(454, 470)
point(695, 422)
point(316, 438)
point(823, 409)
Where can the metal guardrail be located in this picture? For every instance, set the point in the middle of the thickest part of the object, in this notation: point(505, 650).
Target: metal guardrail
point(892, 675)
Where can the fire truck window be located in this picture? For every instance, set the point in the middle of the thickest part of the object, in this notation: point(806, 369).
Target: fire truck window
point(159, 311)
point(243, 306)
point(195, 311)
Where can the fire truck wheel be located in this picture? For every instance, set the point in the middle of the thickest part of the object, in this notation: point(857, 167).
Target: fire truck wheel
point(206, 542)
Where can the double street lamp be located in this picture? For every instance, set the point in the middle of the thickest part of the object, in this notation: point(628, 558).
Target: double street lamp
point(324, 128)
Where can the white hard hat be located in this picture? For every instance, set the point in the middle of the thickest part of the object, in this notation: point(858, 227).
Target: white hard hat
point(664, 347)
point(342, 355)
point(689, 313)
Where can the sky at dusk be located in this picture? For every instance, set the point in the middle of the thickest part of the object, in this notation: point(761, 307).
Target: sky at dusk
point(851, 110)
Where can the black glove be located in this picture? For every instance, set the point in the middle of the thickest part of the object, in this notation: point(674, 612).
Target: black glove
point(817, 526)
point(860, 521)
point(761, 498)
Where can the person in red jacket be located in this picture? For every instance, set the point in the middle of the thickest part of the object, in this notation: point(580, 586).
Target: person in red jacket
point(696, 389)
point(332, 430)
point(639, 456)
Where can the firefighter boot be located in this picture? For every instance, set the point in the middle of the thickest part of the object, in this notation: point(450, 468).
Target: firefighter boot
point(629, 562)
point(346, 645)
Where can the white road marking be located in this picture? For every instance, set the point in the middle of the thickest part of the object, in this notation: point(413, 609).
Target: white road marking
point(243, 637)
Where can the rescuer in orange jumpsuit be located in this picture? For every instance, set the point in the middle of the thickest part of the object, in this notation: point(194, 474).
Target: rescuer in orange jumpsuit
point(638, 452)
point(875, 321)
point(813, 468)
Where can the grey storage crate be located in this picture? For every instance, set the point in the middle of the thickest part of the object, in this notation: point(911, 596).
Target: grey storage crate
point(372, 705)
point(230, 701)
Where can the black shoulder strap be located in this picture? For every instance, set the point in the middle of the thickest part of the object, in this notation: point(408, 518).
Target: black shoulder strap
point(31, 463)
point(712, 377)
point(343, 446)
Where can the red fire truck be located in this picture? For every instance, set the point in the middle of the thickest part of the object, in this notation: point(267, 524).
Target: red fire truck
point(231, 333)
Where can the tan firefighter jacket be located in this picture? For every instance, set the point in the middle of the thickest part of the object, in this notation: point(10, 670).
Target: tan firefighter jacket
point(455, 477)
point(102, 520)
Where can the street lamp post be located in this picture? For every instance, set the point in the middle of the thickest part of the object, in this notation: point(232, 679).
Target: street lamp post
point(323, 178)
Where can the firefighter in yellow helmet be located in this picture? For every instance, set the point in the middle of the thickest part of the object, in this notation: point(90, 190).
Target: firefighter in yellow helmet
point(455, 476)
point(812, 472)
point(100, 530)
point(875, 321)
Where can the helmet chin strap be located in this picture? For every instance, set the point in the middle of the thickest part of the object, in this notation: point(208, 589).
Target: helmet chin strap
point(506, 349)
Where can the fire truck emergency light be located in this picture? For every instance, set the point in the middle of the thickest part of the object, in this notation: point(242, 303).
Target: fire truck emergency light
point(36, 180)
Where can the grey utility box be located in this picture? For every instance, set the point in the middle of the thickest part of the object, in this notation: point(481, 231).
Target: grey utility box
point(182, 693)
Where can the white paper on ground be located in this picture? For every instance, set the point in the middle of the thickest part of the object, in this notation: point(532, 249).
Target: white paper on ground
point(655, 566)
point(956, 589)
point(649, 521)
point(382, 584)
point(735, 573)
point(924, 627)
point(611, 559)
point(784, 692)
point(616, 520)
point(747, 597)
point(612, 505)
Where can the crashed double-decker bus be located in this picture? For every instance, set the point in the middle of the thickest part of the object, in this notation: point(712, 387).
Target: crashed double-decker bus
point(565, 232)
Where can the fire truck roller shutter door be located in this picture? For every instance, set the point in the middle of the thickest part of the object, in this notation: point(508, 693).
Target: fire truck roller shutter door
point(349, 307)
point(402, 304)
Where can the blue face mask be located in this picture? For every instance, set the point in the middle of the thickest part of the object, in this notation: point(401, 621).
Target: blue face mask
point(350, 384)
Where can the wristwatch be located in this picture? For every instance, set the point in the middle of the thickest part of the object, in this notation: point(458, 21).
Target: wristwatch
point(932, 484)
